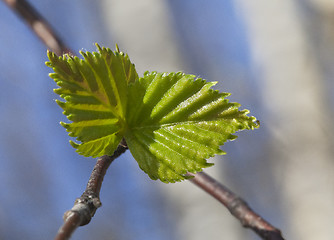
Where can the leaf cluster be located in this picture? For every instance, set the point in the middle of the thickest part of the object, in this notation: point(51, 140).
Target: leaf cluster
point(172, 122)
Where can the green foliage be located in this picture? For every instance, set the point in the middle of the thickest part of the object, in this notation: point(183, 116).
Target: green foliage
point(95, 91)
point(171, 122)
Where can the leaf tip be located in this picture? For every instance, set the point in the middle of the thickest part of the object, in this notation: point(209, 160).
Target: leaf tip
point(50, 54)
point(65, 125)
point(255, 123)
point(74, 145)
point(60, 103)
point(98, 47)
point(48, 64)
point(117, 48)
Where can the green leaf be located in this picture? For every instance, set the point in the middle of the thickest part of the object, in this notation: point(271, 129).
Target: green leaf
point(95, 93)
point(176, 122)
point(171, 122)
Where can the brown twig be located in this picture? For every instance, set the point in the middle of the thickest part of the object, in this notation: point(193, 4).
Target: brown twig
point(38, 24)
point(85, 207)
point(237, 206)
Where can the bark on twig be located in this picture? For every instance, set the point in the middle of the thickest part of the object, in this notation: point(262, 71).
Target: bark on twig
point(237, 206)
point(38, 24)
point(85, 207)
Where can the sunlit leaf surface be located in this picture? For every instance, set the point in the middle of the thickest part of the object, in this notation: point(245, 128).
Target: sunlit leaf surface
point(171, 122)
point(177, 122)
point(95, 93)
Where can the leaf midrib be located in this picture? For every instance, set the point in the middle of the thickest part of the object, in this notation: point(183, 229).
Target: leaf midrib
point(165, 125)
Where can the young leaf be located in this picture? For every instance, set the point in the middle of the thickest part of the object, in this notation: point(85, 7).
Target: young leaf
point(171, 122)
point(95, 93)
point(176, 122)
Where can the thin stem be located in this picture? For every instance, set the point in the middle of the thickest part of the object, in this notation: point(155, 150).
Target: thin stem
point(73, 220)
point(237, 206)
point(39, 25)
point(85, 207)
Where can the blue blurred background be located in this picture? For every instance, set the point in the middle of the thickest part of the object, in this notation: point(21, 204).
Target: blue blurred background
point(275, 57)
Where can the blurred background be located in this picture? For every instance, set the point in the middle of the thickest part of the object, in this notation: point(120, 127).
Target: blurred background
point(275, 57)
